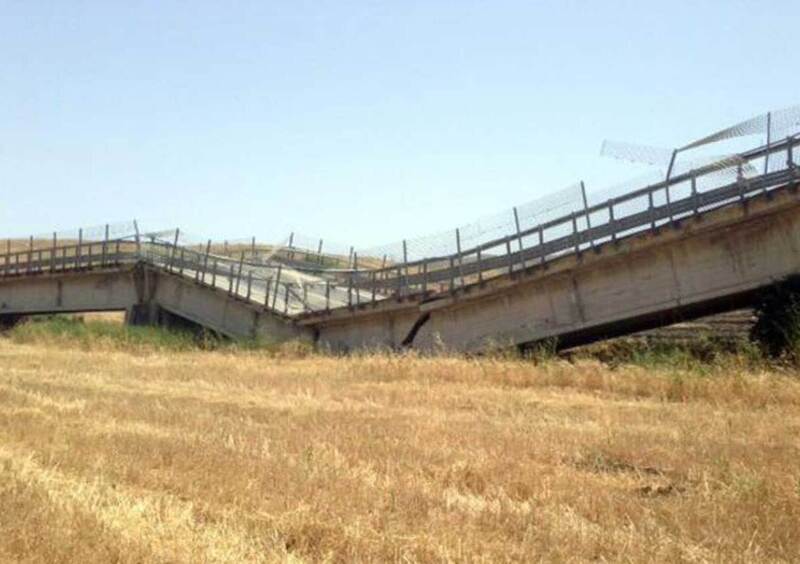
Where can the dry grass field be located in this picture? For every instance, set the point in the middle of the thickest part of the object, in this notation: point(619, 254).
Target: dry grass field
point(156, 455)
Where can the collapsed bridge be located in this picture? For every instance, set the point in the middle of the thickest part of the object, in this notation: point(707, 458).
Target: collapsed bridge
point(703, 239)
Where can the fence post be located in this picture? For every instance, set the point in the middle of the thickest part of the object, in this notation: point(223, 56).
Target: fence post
point(290, 254)
point(350, 259)
point(183, 261)
point(267, 289)
point(508, 254)
point(214, 274)
point(286, 299)
point(424, 276)
point(30, 254)
point(319, 251)
point(249, 283)
point(253, 247)
point(695, 196)
point(480, 267)
point(372, 276)
point(79, 251)
point(789, 153)
point(230, 279)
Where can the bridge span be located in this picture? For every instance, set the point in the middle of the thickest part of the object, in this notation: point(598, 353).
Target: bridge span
point(688, 248)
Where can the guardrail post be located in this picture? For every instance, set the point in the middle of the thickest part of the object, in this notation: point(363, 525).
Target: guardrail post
point(789, 153)
point(30, 255)
point(230, 279)
point(519, 236)
point(543, 255)
point(611, 222)
point(669, 202)
point(769, 142)
point(652, 209)
point(286, 297)
point(405, 259)
point(249, 283)
point(239, 274)
point(575, 239)
point(205, 262)
point(183, 261)
point(451, 270)
point(424, 276)
point(460, 259)
point(357, 278)
point(740, 181)
point(695, 195)
point(277, 283)
point(105, 248)
point(267, 288)
point(327, 295)
point(350, 290)
point(214, 274)
point(480, 266)
point(586, 213)
point(136, 235)
point(53, 252)
point(508, 255)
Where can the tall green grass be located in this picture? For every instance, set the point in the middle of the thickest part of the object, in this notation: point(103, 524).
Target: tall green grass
point(89, 334)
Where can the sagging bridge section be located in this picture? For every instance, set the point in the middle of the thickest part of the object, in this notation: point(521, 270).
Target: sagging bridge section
point(604, 273)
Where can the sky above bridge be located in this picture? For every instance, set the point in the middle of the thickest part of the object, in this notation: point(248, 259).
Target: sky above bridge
point(363, 122)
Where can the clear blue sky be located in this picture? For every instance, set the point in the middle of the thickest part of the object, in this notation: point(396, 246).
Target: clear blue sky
point(361, 121)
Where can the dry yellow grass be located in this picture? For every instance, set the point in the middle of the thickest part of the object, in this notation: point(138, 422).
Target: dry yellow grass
point(111, 456)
